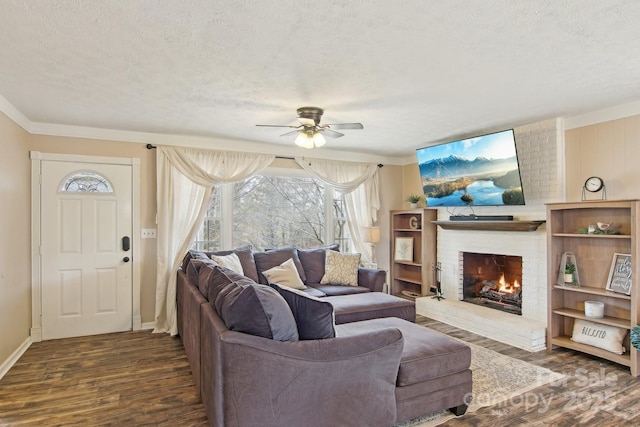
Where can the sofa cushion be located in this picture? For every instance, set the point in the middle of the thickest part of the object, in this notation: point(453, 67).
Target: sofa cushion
point(314, 317)
point(193, 268)
point(218, 278)
point(192, 254)
point(248, 307)
point(273, 257)
point(426, 355)
point(371, 305)
point(231, 261)
point(313, 260)
point(341, 269)
point(245, 255)
point(285, 274)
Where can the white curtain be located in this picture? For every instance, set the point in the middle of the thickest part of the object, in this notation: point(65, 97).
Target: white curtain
point(186, 177)
point(358, 182)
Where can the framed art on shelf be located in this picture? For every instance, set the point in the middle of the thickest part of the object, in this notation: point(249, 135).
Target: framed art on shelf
point(404, 249)
point(620, 274)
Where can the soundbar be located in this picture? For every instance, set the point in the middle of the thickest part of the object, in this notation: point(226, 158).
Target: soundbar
point(481, 218)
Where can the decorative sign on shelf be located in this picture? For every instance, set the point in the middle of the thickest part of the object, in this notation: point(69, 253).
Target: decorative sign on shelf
point(620, 274)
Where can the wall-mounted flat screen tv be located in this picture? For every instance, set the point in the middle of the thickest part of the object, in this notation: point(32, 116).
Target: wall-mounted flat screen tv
point(478, 171)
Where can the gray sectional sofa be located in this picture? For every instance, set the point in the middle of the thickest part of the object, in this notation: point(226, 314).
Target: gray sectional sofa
point(268, 355)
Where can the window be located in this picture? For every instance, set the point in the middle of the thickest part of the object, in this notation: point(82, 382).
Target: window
point(209, 235)
point(86, 182)
point(273, 210)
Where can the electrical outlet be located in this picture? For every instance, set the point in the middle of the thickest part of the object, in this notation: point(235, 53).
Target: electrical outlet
point(149, 233)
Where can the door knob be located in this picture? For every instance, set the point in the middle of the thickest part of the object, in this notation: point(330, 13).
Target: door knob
point(125, 259)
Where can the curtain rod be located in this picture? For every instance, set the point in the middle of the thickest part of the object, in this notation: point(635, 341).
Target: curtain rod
point(151, 147)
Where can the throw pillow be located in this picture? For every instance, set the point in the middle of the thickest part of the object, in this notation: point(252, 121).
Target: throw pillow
point(271, 258)
point(254, 309)
point(285, 274)
point(598, 335)
point(219, 277)
point(192, 254)
point(245, 253)
point(193, 269)
point(315, 318)
point(231, 261)
point(313, 260)
point(341, 269)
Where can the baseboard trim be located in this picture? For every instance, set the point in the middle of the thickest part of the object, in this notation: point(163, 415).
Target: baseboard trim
point(137, 323)
point(8, 364)
point(36, 334)
point(148, 325)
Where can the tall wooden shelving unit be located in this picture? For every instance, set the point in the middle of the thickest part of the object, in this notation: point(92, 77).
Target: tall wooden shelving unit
point(410, 279)
point(594, 253)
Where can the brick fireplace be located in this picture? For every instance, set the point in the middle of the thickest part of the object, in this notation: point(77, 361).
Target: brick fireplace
point(491, 252)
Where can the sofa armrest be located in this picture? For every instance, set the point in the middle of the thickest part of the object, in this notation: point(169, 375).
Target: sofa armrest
point(347, 380)
point(372, 279)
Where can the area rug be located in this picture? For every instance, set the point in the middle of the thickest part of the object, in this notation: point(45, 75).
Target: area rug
point(496, 378)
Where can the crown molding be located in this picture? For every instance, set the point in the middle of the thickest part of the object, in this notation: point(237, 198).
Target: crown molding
point(14, 114)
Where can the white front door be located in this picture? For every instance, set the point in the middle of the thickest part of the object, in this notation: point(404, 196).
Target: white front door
point(85, 251)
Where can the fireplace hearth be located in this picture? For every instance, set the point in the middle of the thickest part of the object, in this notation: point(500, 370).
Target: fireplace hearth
point(493, 280)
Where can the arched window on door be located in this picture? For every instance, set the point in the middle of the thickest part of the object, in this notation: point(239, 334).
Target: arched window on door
point(86, 182)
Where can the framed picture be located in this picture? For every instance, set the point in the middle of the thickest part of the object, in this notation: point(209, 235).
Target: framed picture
point(620, 274)
point(404, 249)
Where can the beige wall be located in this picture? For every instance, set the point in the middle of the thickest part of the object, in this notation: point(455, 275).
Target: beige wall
point(391, 182)
point(15, 237)
point(93, 147)
point(610, 150)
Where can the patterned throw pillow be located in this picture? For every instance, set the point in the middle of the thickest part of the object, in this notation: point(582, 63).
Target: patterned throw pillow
point(285, 274)
point(341, 269)
point(231, 261)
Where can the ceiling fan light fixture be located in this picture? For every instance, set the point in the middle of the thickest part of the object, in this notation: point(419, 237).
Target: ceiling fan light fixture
point(318, 140)
point(303, 140)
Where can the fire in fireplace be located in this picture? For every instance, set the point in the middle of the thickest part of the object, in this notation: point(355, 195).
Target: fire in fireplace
point(493, 280)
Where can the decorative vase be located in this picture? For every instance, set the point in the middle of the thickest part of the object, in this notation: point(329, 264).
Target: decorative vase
point(414, 205)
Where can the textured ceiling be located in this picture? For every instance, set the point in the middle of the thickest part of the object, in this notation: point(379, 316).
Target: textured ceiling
point(413, 72)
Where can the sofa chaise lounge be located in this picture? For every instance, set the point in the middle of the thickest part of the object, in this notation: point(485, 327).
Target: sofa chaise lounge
point(377, 367)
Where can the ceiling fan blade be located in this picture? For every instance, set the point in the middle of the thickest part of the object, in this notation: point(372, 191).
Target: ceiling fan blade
point(279, 126)
point(331, 133)
point(291, 133)
point(346, 126)
point(306, 121)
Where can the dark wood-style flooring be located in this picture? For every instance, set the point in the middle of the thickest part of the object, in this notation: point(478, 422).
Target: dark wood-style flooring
point(143, 379)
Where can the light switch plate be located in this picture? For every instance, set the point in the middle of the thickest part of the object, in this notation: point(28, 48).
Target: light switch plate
point(149, 233)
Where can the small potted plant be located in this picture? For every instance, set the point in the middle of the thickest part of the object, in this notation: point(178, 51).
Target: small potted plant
point(569, 270)
point(414, 199)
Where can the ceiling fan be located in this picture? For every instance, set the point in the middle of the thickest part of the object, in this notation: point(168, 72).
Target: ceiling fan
point(310, 130)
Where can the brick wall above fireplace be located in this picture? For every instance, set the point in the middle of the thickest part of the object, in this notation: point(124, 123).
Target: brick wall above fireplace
point(539, 148)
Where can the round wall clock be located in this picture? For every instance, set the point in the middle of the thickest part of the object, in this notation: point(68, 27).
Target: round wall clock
point(594, 184)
